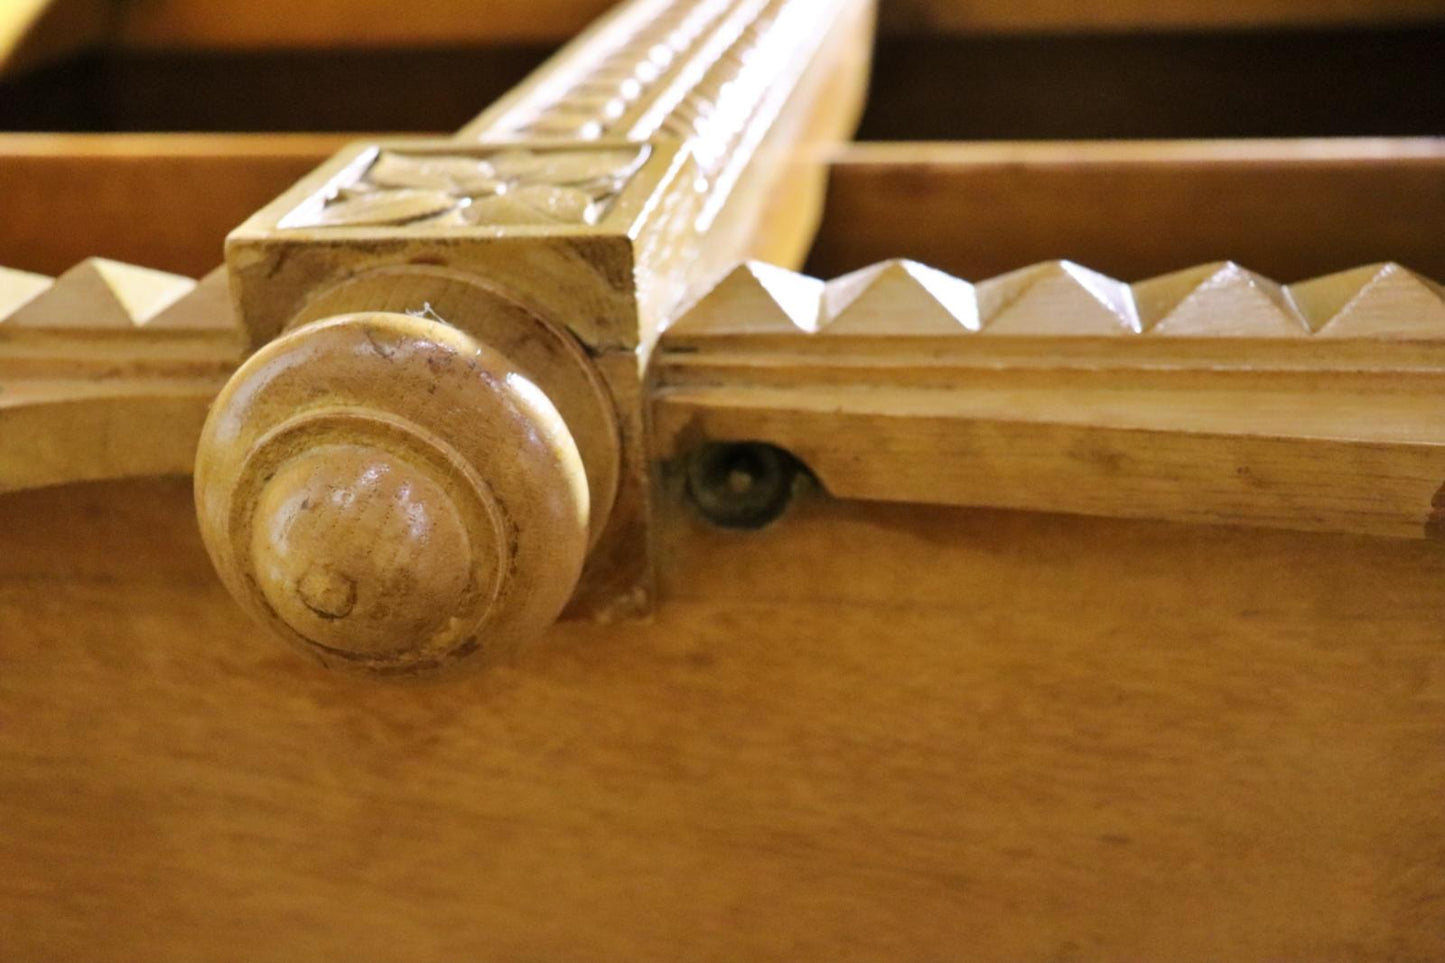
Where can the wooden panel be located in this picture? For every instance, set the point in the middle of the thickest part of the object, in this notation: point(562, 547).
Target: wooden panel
point(878, 732)
point(1306, 83)
point(165, 201)
point(1288, 209)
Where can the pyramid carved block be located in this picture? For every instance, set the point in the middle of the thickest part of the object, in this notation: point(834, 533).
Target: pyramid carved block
point(18, 288)
point(1376, 301)
point(899, 298)
point(1217, 300)
point(206, 308)
point(98, 294)
point(1056, 298)
point(756, 298)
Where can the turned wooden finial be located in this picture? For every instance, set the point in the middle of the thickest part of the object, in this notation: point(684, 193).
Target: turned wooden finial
point(392, 495)
point(397, 494)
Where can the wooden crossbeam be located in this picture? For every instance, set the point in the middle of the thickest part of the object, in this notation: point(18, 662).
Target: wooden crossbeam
point(108, 370)
point(1210, 394)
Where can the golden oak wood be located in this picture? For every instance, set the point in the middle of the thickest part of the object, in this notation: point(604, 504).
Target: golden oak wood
point(868, 732)
point(358, 503)
point(106, 189)
point(1210, 394)
point(667, 142)
point(1289, 209)
point(108, 370)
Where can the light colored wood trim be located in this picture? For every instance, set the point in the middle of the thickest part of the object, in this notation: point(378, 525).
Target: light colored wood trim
point(108, 371)
point(1209, 395)
point(161, 148)
point(1176, 153)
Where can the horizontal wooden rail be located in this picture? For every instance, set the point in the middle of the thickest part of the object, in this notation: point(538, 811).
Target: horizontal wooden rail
point(1290, 209)
point(162, 200)
point(1287, 208)
point(1207, 395)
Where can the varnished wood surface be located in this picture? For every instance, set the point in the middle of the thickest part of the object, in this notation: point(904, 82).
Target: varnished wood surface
point(1290, 209)
point(335, 514)
point(667, 142)
point(1335, 81)
point(1209, 394)
point(164, 201)
point(107, 371)
point(875, 733)
point(1286, 208)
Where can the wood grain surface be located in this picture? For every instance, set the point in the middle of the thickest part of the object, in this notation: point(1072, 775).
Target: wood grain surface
point(1210, 394)
point(872, 733)
point(165, 201)
point(1287, 208)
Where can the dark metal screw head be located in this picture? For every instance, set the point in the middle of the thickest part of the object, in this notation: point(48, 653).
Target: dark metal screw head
point(740, 484)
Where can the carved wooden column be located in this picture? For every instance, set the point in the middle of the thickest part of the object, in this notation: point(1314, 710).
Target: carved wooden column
point(439, 442)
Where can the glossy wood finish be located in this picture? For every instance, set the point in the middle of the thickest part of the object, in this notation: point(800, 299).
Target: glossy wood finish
point(107, 189)
point(394, 496)
point(668, 141)
point(107, 371)
point(1210, 394)
point(881, 732)
point(868, 731)
point(1289, 209)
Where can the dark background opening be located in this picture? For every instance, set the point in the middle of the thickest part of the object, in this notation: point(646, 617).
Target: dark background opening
point(1219, 84)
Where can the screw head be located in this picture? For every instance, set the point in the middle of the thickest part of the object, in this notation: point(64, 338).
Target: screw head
point(743, 485)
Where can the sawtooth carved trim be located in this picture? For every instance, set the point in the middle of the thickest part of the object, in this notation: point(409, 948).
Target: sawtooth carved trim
point(1208, 395)
point(107, 371)
point(1060, 299)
